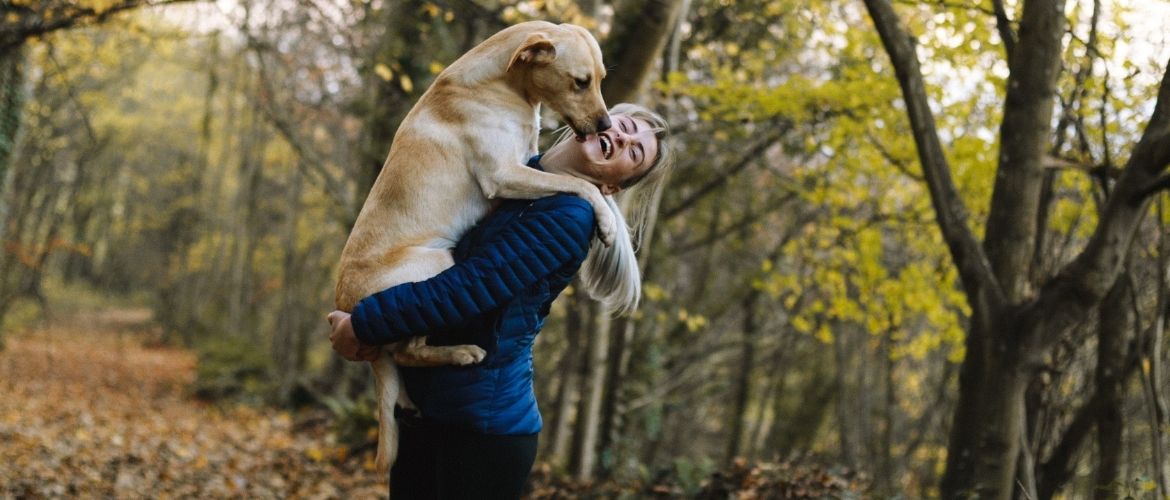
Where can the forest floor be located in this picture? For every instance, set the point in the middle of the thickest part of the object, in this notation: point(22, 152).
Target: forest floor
point(92, 406)
point(89, 408)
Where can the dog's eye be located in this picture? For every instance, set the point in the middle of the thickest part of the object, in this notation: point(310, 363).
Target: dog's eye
point(582, 83)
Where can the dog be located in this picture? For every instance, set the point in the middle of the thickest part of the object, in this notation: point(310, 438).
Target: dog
point(464, 144)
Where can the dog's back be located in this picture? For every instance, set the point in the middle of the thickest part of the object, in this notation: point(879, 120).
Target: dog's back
point(426, 197)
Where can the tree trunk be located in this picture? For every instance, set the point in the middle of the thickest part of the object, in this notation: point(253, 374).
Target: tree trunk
point(1152, 377)
point(1025, 136)
point(11, 105)
point(1013, 328)
point(567, 393)
point(1116, 325)
point(584, 359)
point(289, 341)
point(592, 385)
point(640, 31)
point(738, 410)
point(847, 432)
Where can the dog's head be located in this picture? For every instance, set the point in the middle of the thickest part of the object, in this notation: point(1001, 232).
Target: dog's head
point(564, 71)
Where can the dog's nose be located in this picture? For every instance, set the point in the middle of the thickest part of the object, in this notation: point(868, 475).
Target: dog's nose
point(603, 123)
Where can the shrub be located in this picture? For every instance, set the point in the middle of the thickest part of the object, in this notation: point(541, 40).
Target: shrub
point(234, 368)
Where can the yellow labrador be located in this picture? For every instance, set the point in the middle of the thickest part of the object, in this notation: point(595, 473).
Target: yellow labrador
point(466, 142)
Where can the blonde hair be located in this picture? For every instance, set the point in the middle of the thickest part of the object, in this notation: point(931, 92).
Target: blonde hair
point(610, 274)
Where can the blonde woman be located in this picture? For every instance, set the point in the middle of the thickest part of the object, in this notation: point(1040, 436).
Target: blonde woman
point(474, 434)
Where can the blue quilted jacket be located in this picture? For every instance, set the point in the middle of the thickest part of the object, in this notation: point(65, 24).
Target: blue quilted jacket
point(508, 269)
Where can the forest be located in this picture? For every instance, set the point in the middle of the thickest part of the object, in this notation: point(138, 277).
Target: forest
point(909, 248)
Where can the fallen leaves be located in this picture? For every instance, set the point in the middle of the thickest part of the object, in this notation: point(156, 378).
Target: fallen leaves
point(86, 410)
point(742, 480)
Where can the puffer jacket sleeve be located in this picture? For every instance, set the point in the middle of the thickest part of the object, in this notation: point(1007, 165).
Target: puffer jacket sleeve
point(531, 248)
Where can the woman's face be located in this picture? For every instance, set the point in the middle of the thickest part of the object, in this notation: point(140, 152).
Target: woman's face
point(609, 158)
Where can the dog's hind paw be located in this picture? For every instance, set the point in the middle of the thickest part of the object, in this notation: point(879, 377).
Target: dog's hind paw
point(466, 354)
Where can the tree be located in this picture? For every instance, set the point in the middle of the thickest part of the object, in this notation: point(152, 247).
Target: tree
point(24, 20)
point(1015, 321)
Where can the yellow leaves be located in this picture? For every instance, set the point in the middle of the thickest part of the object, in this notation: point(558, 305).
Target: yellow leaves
point(802, 324)
point(653, 292)
point(383, 72)
point(1147, 485)
point(406, 84)
point(436, 67)
point(100, 6)
point(694, 322)
point(315, 454)
point(824, 334)
point(98, 414)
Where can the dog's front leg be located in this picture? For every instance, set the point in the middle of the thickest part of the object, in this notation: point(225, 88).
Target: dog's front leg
point(520, 182)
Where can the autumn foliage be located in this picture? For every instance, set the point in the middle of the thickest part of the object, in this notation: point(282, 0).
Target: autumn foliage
point(91, 406)
point(87, 411)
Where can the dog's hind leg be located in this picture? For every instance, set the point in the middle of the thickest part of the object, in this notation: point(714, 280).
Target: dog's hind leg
point(418, 353)
point(420, 263)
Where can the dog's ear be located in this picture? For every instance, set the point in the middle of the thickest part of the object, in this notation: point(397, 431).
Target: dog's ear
point(538, 48)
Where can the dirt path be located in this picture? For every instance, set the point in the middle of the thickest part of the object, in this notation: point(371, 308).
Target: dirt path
point(87, 411)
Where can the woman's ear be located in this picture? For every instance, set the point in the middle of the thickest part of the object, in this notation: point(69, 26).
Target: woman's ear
point(609, 189)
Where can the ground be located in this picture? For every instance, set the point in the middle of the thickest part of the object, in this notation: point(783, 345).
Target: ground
point(91, 406)
point(86, 410)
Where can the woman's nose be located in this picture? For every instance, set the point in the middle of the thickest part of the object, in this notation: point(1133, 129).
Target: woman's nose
point(620, 138)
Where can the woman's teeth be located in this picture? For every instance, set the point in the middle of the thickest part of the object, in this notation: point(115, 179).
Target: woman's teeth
point(606, 146)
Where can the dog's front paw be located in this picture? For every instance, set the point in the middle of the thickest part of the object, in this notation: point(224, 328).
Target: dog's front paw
point(606, 227)
point(467, 355)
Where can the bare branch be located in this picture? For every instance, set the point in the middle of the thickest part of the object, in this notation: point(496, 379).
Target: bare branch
point(950, 211)
point(949, 5)
point(746, 159)
point(1159, 184)
point(1004, 25)
point(745, 221)
point(32, 23)
point(313, 163)
point(1064, 300)
point(899, 163)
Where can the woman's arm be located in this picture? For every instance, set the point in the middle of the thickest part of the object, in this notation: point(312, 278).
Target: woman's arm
point(529, 249)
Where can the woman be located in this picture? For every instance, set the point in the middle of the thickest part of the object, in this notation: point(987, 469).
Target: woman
point(475, 434)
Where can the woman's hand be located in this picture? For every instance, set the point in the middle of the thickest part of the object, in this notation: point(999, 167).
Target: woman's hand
point(346, 343)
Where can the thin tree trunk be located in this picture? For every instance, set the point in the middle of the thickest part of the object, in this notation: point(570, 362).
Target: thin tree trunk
point(888, 480)
point(846, 432)
point(584, 363)
point(593, 386)
point(567, 393)
point(738, 410)
point(1116, 324)
point(288, 342)
point(11, 107)
point(1153, 378)
point(639, 33)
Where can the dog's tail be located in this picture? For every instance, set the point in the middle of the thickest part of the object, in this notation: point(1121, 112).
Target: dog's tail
point(610, 274)
point(388, 386)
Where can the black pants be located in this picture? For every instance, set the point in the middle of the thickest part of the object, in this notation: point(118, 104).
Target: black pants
point(437, 461)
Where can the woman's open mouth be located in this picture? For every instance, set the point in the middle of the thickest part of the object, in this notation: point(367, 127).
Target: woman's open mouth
point(606, 145)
